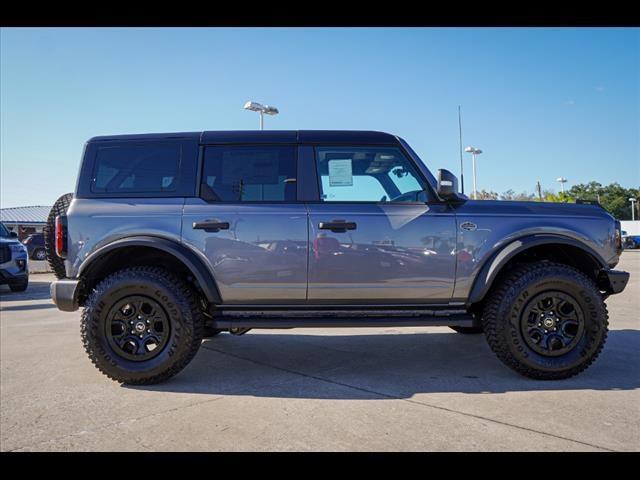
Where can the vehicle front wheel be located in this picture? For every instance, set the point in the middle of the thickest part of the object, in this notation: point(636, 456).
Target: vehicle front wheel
point(141, 325)
point(546, 320)
point(39, 254)
point(19, 286)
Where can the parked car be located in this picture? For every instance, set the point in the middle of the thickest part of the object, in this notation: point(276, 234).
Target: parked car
point(35, 246)
point(170, 238)
point(14, 265)
point(630, 241)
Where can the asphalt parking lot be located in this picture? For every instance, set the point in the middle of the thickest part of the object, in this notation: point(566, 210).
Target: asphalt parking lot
point(313, 389)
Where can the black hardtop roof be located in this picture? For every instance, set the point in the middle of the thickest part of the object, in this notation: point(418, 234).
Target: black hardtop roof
point(263, 136)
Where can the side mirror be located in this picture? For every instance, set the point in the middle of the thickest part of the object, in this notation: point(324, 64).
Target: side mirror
point(448, 186)
point(13, 234)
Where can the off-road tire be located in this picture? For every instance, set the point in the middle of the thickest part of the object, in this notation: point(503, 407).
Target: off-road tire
point(508, 301)
point(175, 297)
point(467, 330)
point(19, 286)
point(59, 208)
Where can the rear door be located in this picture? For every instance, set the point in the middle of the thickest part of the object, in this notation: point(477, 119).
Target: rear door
point(377, 235)
point(248, 225)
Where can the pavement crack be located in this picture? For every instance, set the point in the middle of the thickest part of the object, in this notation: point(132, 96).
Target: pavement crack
point(408, 400)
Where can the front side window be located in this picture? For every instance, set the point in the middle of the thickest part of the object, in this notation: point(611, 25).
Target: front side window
point(367, 174)
point(151, 168)
point(249, 174)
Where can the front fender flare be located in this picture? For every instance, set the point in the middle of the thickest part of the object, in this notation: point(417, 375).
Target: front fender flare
point(187, 257)
point(493, 265)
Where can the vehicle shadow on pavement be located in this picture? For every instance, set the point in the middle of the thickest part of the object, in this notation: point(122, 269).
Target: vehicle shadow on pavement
point(37, 290)
point(381, 367)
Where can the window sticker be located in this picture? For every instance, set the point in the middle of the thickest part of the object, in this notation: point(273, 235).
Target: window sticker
point(340, 173)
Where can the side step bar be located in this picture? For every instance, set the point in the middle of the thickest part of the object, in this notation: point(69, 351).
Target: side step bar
point(298, 319)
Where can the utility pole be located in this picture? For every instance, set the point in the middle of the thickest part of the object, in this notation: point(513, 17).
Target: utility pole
point(633, 208)
point(539, 188)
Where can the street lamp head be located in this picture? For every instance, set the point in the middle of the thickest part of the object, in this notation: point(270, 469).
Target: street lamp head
point(270, 110)
point(561, 180)
point(632, 199)
point(254, 106)
point(473, 150)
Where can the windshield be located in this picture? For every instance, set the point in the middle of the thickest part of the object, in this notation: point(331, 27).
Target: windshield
point(3, 231)
point(432, 180)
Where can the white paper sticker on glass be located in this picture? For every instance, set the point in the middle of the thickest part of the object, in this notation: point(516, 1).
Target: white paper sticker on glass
point(340, 173)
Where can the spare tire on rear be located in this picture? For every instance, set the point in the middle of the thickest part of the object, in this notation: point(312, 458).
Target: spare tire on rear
point(59, 208)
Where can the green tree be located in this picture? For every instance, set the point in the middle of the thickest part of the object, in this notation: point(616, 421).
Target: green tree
point(484, 195)
point(613, 198)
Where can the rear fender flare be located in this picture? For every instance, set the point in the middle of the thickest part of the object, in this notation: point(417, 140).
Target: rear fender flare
point(200, 272)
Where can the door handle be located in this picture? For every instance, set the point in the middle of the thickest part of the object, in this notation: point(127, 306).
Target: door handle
point(211, 225)
point(338, 226)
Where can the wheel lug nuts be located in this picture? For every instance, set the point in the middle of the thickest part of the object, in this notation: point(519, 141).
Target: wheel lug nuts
point(148, 321)
point(141, 336)
point(133, 331)
point(130, 322)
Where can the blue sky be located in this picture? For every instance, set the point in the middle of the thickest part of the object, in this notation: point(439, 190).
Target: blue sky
point(540, 102)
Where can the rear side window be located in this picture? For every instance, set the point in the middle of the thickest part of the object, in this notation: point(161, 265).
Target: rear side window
point(150, 168)
point(249, 174)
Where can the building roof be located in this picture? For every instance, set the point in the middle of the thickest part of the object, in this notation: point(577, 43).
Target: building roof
point(263, 136)
point(35, 214)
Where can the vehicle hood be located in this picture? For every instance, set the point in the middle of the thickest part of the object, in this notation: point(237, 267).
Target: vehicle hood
point(8, 241)
point(545, 209)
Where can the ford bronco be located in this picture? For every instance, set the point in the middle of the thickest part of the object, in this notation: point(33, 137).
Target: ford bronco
point(169, 238)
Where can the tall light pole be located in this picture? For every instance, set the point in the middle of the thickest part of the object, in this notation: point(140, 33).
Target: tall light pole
point(261, 109)
point(633, 208)
point(562, 181)
point(474, 152)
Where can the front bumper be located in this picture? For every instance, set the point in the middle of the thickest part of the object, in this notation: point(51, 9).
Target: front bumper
point(14, 274)
point(64, 294)
point(612, 281)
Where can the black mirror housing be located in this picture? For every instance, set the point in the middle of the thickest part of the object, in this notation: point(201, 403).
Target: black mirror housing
point(13, 234)
point(448, 186)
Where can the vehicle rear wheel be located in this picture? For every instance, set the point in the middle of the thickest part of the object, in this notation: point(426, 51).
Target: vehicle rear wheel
point(141, 325)
point(39, 254)
point(59, 208)
point(467, 330)
point(545, 320)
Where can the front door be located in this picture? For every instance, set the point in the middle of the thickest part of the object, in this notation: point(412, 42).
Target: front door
point(248, 226)
point(376, 236)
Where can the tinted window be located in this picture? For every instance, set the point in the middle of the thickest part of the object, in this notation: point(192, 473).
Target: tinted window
point(140, 168)
point(367, 174)
point(249, 174)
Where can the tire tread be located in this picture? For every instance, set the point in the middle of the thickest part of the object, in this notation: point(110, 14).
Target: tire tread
point(507, 290)
point(188, 303)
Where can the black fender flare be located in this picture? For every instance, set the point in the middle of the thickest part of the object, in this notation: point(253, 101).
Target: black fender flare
point(494, 264)
point(195, 265)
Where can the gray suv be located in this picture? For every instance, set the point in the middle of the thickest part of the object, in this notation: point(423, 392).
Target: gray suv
point(169, 238)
